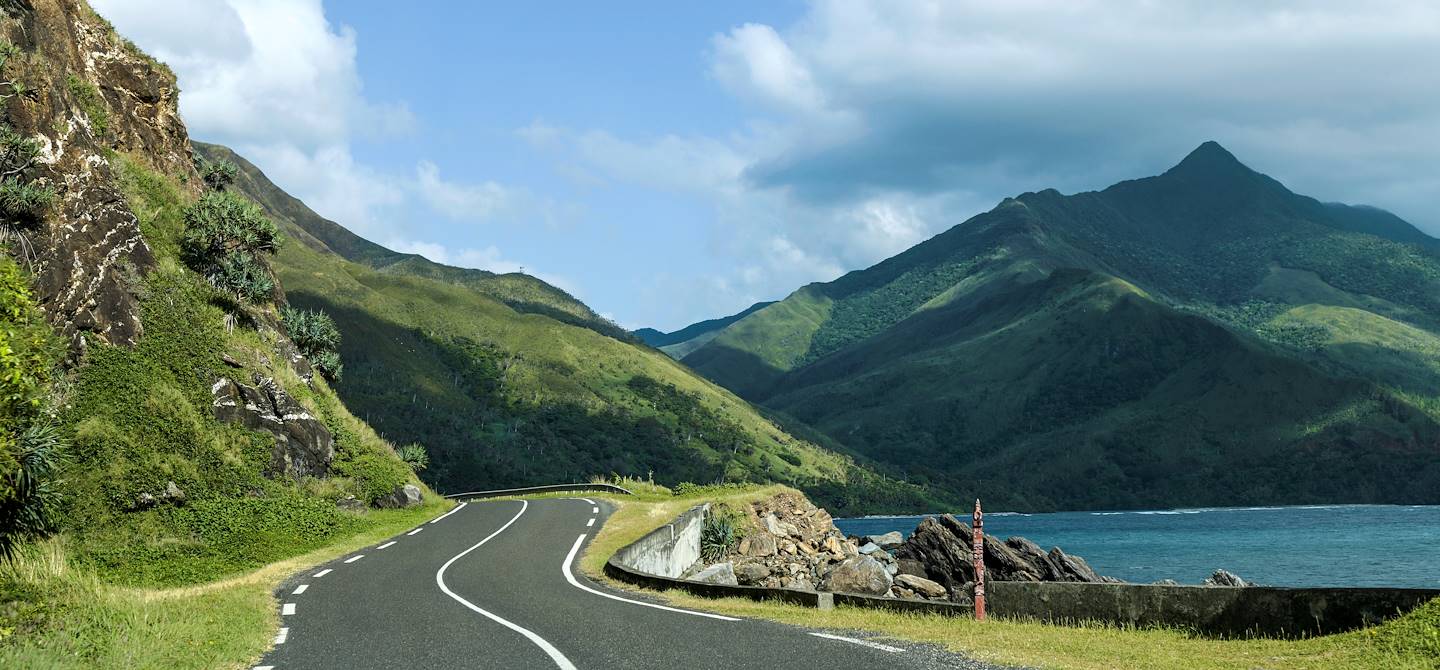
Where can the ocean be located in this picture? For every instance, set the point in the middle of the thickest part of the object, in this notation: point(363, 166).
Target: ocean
point(1320, 545)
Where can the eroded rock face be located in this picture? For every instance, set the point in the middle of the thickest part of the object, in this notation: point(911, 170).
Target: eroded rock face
point(88, 251)
point(304, 447)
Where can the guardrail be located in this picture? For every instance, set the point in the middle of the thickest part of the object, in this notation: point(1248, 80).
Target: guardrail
point(549, 488)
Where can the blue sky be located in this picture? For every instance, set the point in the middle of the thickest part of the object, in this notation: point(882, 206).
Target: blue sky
point(671, 161)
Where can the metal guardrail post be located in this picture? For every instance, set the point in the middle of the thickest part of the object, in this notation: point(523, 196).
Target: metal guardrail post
point(977, 543)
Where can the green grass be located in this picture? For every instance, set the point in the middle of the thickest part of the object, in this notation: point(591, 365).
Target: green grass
point(91, 104)
point(57, 614)
point(1411, 642)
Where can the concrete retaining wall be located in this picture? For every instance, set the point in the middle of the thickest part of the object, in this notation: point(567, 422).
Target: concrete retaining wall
point(1211, 610)
point(668, 550)
point(657, 560)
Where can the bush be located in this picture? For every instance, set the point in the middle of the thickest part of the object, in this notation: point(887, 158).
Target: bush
point(226, 239)
point(718, 536)
point(21, 200)
point(315, 333)
point(415, 456)
point(218, 174)
point(30, 449)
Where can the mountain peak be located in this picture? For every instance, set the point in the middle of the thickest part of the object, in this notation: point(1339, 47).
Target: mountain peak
point(1210, 159)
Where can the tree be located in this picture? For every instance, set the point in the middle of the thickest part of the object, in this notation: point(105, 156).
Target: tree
point(317, 337)
point(227, 239)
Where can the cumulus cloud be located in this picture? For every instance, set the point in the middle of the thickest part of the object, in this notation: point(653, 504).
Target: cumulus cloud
point(1003, 97)
point(487, 258)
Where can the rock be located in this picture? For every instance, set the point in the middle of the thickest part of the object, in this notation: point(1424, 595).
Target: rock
point(230, 361)
point(777, 527)
point(869, 548)
point(862, 575)
point(303, 447)
point(902, 592)
point(909, 566)
point(1166, 582)
point(922, 586)
point(1073, 568)
point(751, 574)
point(788, 548)
point(1008, 565)
point(801, 582)
point(889, 540)
point(145, 501)
point(720, 573)
point(1035, 556)
point(832, 545)
point(350, 504)
point(759, 545)
point(173, 493)
point(407, 495)
point(1225, 578)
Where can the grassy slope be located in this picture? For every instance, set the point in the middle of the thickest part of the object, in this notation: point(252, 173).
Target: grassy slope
point(120, 588)
point(522, 292)
point(895, 365)
point(1408, 643)
point(661, 340)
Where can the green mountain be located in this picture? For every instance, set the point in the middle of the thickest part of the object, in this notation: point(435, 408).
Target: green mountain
point(681, 342)
point(508, 381)
point(1202, 337)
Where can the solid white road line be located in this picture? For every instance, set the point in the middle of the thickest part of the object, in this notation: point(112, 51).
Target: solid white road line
point(287, 609)
point(590, 523)
point(282, 636)
point(300, 589)
point(440, 518)
point(555, 655)
point(322, 573)
point(391, 543)
point(415, 531)
point(592, 502)
point(354, 558)
point(863, 643)
point(264, 667)
point(570, 577)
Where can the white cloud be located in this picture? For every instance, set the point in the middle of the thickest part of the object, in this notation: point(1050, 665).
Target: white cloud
point(487, 258)
point(462, 201)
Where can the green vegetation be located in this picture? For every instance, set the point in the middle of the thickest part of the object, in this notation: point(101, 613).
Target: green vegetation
point(91, 104)
point(1411, 642)
point(314, 332)
point(217, 175)
point(415, 456)
point(1204, 337)
point(721, 532)
point(30, 447)
point(226, 240)
point(22, 202)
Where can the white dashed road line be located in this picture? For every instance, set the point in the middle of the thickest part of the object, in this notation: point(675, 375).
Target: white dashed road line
point(264, 667)
point(549, 649)
point(391, 543)
point(863, 643)
point(594, 510)
point(300, 589)
point(322, 573)
point(415, 531)
point(570, 577)
point(354, 558)
point(440, 518)
point(287, 609)
point(590, 523)
point(282, 636)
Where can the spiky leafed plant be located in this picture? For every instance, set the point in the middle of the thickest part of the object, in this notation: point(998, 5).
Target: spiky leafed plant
point(218, 175)
point(718, 537)
point(315, 333)
point(415, 456)
point(30, 491)
point(226, 238)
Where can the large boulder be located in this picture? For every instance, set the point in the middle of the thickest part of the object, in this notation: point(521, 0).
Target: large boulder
point(921, 586)
point(720, 573)
point(1073, 568)
point(1225, 578)
point(861, 574)
point(304, 447)
point(751, 574)
point(889, 540)
point(407, 495)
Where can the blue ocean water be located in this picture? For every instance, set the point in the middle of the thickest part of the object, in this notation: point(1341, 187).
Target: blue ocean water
point(1337, 545)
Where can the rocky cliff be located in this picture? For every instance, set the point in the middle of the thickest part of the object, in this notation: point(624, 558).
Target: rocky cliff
point(86, 94)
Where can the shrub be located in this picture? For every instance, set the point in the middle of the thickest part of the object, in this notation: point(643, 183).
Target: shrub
point(29, 493)
point(721, 532)
point(316, 335)
point(29, 448)
point(217, 174)
point(226, 239)
point(415, 456)
point(21, 200)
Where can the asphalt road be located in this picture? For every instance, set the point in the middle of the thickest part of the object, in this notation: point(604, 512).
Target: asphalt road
point(493, 585)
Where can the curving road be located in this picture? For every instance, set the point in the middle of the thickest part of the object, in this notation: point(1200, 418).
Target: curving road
point(493, 585)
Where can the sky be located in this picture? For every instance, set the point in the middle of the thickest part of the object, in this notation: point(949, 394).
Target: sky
point(668, 162)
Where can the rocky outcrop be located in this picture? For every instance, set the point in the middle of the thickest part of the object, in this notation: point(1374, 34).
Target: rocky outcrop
point(407, 495)
point(1225, 578)
point(93, 94)
point(304, 447)
point(940, 550)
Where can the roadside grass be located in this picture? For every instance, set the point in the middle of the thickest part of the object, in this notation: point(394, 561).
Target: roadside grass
point(55, 614)
point(1411, 642)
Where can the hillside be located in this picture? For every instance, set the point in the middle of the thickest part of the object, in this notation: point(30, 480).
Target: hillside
point(1203, 337)
point(691, 337)
point(503, 393)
